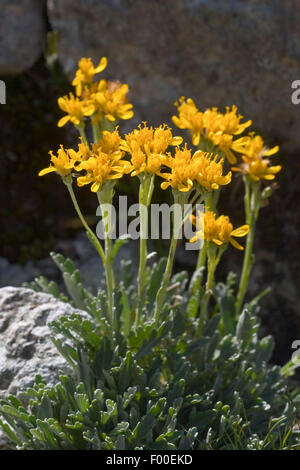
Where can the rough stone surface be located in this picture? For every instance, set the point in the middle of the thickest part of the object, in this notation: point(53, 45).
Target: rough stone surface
point(25, 345)
point(22, 34)
point(243, 52)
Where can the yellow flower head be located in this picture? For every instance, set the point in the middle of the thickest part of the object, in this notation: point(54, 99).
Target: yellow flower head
point(84, 151)
point(86, 71)
point(109, 142)
point(183, 170)
point(253, 147)
point(189, 118)
point(230, 122)
point(218, 230)
point(219, 128)
point(257, 168)
point(254, 162)
point(224, 142)
point(62, 164)
point(209, 171)
point(147, 147)
point(110, 101)
point(212, 120)
point(103, 161)
point(75, 108)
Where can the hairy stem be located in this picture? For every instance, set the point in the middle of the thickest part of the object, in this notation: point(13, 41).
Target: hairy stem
point(92, 237)
point(252, 205)
point(105, 195)
point(161, 294)
point(145, 195)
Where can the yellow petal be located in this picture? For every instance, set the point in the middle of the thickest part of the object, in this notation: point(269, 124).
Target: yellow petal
point(102, 65)
point(110, 117)
point(274, 169)
point(230, 156)
point(240, 231)
point(217, 242)
point(95, 187)
point(63, 121)
point(236, 244)
point(61, 103)
point(271, 151)
point(176, 140)
point(196, 138)
point(47, 170)
point(268, 177)
point(177, 122)
point(165, 185)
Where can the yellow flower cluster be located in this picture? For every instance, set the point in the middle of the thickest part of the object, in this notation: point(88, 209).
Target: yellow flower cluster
point(101, 162)
point(147, 147)
point(75, 109)
point(219, 128)
point(218, 230)
point(255, 164)
point(110, 100)
point(97, 99)
point(187, 169)
point(63, 163)
point(85, 73)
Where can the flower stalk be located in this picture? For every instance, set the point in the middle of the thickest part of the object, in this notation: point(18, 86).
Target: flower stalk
point(92, 237)
point(252, 206)
point(105, 196)
point(214, 254)
point(145, 195)
point(180, 199)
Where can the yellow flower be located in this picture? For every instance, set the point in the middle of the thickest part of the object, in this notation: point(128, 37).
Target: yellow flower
point(253, 147)
point(257, 168)
point(84, 151)
point(147, 147)
point(209, 171)
point(62, 164)
point(187, 168)
point(102, 162)
point(183, 170)
point(212, 120)
point(254, 164)
point(75, 108)
point(109, 142)
point(218, 230)
point(189, 118)
point(86, 71)
point(230, 122)
point(219, 128)
point(110, 100)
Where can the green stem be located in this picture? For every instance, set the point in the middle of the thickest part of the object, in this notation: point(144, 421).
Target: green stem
point(105, 195)
point(195, 287)
point(92, 237)
point(201, 262)
point(179, 198)
point(81, 131)
point(161, 294)
point(252, 205)
point(247, 184)
point(214, 256)
point(145, 195)
point(96, 132)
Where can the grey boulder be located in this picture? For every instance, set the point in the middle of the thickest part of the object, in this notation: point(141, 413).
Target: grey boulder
point(25, 345)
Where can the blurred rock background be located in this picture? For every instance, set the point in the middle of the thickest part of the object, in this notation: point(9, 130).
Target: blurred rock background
point(219, 52)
